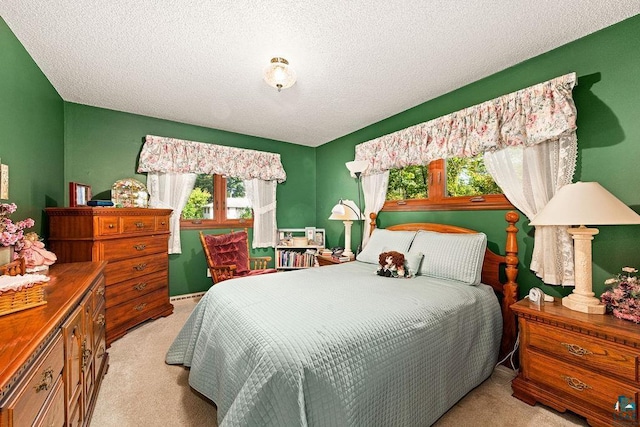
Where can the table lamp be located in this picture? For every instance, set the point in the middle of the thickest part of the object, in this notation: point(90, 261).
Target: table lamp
point(347, 212)
point(584, 203)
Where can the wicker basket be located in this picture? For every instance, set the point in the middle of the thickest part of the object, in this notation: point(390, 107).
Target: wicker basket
point(27, 297)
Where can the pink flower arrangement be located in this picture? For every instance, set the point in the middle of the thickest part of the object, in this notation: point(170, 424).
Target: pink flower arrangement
point(623, 298)
point(12, 234)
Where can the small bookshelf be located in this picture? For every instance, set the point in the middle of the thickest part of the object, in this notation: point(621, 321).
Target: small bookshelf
point(297, 247)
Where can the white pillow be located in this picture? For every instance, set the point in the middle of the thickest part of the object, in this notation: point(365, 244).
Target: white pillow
point(382, 239)
point(452, 256)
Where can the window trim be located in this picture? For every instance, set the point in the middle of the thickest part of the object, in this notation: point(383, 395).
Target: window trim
point(219, 211)
point(438, 201)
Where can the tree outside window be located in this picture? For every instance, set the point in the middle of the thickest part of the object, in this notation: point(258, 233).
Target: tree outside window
point(217, 202)
point(453, 184)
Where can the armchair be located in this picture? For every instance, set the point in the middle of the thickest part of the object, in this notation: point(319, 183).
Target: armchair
point(227, 256)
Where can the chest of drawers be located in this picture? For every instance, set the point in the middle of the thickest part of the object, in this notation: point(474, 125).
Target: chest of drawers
point(586, 363)
point(134, 243)
point(53, 357)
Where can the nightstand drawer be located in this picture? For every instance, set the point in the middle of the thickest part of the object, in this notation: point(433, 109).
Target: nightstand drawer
point(584, 350)
point(599, 391)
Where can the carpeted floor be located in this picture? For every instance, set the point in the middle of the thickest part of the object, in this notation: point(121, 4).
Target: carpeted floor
point(141, 390)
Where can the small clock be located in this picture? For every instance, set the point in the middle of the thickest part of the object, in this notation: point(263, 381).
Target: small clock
point(536, 296)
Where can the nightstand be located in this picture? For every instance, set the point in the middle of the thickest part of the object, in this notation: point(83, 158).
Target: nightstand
point(586, 363)
point(327, 260)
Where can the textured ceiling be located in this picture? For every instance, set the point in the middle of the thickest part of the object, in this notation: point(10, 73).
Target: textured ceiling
point(201, 61)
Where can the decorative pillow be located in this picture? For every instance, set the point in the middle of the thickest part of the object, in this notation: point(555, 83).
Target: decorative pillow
point(227, 249)
point(383, 241)
point(451, 255)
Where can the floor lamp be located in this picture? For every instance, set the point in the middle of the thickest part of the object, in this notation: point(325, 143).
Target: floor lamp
point(356, 168)
point(584, 203)
point(347, 212)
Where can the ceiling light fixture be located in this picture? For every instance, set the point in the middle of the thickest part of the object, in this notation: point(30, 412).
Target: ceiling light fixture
point(279, 74)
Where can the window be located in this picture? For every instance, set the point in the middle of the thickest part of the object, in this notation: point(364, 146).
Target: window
point(452, 184)
point(217, 202)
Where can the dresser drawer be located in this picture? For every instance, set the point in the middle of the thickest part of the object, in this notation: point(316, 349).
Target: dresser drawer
point(135, 267)
point(133, 288)
point(135, 309)
point(138, 224)
point(598, 391)
point(587, 351)
point(111, 250)
point(108, 225)
point(42, 379)
point(53, 413)
point(162, 223)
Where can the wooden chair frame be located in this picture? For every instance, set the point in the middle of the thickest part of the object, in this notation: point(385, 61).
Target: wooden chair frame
point(225, 272)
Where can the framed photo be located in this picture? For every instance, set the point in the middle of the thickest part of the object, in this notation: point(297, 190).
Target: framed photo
point(319, 237)
point(79, 194)
point(310, 233)
point(4, 181)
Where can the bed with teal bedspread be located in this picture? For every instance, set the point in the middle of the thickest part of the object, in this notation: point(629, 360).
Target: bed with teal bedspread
point(339, 346)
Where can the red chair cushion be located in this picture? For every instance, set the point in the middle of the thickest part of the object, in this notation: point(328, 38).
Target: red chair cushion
point(227, 249)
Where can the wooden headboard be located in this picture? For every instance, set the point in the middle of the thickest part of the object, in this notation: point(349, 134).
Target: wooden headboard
point(507, 291)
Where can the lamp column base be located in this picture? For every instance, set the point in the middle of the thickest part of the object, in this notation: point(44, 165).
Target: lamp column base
point(590, 305)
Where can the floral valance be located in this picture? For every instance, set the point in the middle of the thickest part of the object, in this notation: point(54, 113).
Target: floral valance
point(170, 155)
point(542, 112)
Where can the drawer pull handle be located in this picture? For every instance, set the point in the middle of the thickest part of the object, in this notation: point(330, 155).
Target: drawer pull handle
point(47, 380)
point(140, 286)
point(140, 224)
point(575, 383)
point(576, 350)
point(140, 247)
point(112, 226)
point(140, 267)
point(140, 307)
point(100, 291)
point(100, 320)
point(86, 353)
point(163, 223)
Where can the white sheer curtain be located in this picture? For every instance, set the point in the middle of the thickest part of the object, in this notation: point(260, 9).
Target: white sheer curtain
point(263, 201)
point(171, 190)
point(374, 188)
point(529, 177)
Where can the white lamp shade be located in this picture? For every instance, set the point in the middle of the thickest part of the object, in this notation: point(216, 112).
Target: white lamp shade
point(357, 167)
point(585, 203)
point(279, 74)
point(346, 210)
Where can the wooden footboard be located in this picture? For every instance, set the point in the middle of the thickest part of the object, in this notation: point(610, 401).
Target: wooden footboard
point(498, 271)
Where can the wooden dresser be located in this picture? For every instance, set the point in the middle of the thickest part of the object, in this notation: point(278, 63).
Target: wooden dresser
point(53, 357)
point(586, 363)
point(134, 242)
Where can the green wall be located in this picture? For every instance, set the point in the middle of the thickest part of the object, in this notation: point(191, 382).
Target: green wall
point(47, 142)
point(607, 64)
point(31, 132)
point(102, 146)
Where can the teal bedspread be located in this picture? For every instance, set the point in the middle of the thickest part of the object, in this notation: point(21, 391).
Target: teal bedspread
point(338, 346)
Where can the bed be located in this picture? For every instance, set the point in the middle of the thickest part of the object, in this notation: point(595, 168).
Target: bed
point(341, 346)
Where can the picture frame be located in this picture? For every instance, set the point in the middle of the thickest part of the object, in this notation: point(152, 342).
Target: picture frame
point(4, 182)
point(310, 233)
point(320, 237)
point(79, 194)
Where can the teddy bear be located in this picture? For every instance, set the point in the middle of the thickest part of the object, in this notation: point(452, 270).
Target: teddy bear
point(392, 264)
